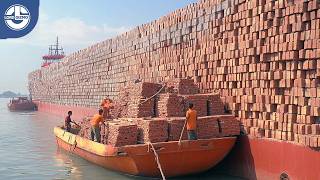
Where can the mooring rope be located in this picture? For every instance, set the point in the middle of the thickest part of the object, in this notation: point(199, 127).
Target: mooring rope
point(153, 95)
point(157, 160)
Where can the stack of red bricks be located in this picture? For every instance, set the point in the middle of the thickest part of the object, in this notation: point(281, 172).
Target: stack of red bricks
point(104, 133)
point(229, 125)
point(170, 105)
point(200, 102)
point(85, 128)
point(214, 105)
point(182, 86)
point(120, 104)
point(122, 133)
point(175, 126)
point(262, 56)
point(133, 100)
point(208, 127)
point(152, 130)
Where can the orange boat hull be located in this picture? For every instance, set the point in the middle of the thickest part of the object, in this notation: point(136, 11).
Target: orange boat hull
point(188, 158)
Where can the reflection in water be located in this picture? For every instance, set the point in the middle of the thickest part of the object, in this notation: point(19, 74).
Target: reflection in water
point(28, 151)
point(70, 169)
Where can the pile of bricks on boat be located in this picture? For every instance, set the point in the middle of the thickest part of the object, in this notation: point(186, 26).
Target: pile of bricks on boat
point(262, 56)
point(166, 115)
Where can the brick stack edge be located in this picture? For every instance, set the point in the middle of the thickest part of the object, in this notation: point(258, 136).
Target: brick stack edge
point(262, 56)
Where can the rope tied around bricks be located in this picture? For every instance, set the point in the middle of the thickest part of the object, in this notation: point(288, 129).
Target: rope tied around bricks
point(158, 92)
point(157, 159)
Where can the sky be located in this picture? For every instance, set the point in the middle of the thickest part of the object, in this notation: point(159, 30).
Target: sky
point(78, 24)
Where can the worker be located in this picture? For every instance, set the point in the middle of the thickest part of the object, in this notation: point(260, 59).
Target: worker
point(95, 126)
point(191, 118)
point(67, 121)
point(106, 105)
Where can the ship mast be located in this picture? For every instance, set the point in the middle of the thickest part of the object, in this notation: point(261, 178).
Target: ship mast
point(56, 54)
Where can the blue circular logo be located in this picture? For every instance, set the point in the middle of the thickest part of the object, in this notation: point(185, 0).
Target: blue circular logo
point(17, 17)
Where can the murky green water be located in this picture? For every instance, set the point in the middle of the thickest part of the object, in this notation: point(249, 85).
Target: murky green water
point(28, 151)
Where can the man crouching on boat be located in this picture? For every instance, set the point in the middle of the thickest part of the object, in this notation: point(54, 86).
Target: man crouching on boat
point(191, 117)
point(95, 126)
point(106, 105)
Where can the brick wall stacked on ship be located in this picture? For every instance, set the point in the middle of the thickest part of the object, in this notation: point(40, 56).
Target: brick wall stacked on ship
point(263, 56)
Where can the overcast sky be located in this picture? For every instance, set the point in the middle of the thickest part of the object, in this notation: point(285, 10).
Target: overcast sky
point(78, 24)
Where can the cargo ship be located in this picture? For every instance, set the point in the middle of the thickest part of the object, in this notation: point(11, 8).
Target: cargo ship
point(261, 56)
point(21, 104)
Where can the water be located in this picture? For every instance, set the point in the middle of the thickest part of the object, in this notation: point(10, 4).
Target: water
point(28, 151)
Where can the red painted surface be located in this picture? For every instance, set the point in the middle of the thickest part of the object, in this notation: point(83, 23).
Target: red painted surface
point(265, 159)
point(188, 158)
point(250, 158)
point(78, 112)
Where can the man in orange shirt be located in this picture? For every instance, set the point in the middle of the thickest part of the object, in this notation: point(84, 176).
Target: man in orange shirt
point(106, 105)
point(191, 117)
point(95, 126)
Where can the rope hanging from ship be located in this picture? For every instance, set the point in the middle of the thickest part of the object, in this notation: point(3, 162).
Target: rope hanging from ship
point(156, 156)
point(146, 100)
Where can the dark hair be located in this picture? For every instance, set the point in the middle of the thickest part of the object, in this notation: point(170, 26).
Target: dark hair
point(69, 112)
point(190, 105)
point(100, 111)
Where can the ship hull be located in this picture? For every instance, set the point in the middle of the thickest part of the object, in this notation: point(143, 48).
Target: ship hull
point(189, 157)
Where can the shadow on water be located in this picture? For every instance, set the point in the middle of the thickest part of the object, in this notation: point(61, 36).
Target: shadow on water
point(239, 162)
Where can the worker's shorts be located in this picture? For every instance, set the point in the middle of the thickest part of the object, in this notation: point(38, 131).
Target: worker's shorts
point(95, 134)
point(68, 127)
point(192, 135)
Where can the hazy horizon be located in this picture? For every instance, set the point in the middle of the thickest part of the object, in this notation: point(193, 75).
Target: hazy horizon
point(76, 31)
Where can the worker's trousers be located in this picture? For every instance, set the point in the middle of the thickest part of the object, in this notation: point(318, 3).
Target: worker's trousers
point(192, 135)
point(95, 134)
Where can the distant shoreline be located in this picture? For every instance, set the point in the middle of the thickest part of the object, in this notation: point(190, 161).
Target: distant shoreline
point(10, 94)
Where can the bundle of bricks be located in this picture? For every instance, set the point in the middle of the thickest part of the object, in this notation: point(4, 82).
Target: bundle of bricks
point(175, 126)
point(208, 127)
point(152, 130)
point(200, 102)
point(139, 107)
point(122, 133)
point(104, 133)
point(133, 100)
point(120, 108)
point(263, 57)
point(229, 125)
point(85, 128)
point(214, 105)
point(170, 105)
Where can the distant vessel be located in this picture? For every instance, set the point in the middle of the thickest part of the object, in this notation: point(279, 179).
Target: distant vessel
point(56, 54)
point(21, 104)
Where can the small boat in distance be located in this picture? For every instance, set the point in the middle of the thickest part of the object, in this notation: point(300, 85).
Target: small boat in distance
point(21, 104)
point(189, 157)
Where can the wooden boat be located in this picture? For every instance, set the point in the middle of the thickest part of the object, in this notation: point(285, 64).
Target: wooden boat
point(21, 104)
point(189, 157)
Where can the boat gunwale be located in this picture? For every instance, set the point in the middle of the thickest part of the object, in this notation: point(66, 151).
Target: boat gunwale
point(122, 149)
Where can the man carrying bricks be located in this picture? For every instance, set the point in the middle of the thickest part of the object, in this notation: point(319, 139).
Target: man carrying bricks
point(106, 105)
point(191, 118)
point(95, 126)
